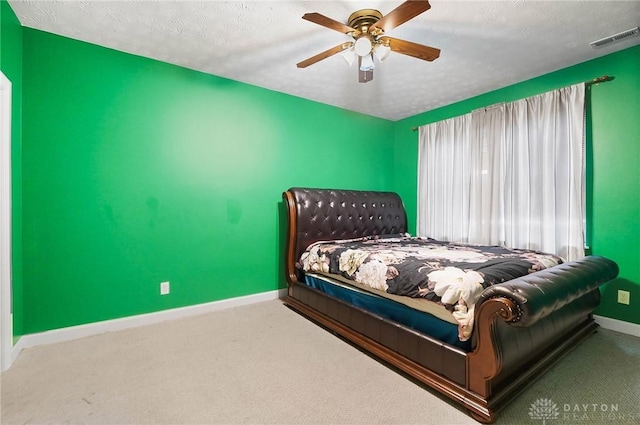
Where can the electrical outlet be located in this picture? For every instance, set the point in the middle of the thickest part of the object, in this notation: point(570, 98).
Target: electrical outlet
point(623, 297)
point(164, 288)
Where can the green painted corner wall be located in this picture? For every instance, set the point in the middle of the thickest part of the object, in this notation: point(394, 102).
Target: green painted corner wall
point(137, 172)
point(129, 172)
point(613, 172)
point(11, 66)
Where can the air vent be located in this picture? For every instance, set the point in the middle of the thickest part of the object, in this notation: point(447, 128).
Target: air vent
point(615, 38)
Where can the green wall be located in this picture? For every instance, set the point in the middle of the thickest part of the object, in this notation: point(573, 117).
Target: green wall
point(137, 172)
point(613, 171)
point(11, 66)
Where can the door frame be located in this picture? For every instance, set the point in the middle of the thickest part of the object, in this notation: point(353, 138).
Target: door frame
point(6, 304)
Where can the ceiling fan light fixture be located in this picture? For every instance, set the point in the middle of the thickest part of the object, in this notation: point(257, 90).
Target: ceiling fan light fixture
point(349, 55)
point(366, 64)
point(382, 51)
point(363, 46)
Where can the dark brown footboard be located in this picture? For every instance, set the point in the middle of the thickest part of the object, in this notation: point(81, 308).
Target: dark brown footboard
point(520, 331)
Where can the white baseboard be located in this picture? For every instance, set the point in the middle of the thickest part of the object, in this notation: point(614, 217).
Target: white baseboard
point(81, 331)
point(618, 325)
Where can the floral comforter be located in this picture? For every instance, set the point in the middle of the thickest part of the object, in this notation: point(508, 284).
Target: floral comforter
point(447, 273)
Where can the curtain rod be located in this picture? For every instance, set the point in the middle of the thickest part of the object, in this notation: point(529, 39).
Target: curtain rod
point(588, 83)
point(598, 80)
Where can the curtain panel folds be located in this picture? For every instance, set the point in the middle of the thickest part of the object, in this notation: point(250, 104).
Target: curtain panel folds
point(510, 175)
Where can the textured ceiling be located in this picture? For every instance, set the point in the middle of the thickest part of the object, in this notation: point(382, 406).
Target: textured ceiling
point(485, 44)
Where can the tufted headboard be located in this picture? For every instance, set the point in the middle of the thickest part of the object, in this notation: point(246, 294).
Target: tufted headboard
point(326, 214)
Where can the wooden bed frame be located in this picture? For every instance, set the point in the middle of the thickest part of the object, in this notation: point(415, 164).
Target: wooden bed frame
point(522, 327)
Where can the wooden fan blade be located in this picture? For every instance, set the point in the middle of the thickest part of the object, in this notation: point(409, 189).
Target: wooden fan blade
point(326, 22)
point(413, 49)
point(401, 14)
point(320, 56)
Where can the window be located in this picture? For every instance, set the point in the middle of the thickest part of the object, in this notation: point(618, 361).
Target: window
point(510, 175)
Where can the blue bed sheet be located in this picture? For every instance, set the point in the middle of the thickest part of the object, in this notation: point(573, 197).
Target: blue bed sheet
point(389, 309)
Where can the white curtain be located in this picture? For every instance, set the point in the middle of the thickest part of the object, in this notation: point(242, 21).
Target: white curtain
point(510, 175)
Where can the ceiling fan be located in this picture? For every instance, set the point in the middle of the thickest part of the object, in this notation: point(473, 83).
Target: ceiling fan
point(368, 27)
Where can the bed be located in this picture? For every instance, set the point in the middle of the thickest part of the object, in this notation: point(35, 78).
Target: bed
point(479, 344)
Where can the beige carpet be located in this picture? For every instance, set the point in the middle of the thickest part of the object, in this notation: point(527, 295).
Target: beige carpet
point(265, 364)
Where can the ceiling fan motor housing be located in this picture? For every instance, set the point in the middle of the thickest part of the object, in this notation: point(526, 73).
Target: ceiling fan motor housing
point(363, 19)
